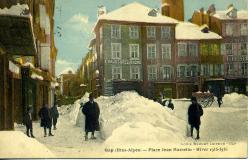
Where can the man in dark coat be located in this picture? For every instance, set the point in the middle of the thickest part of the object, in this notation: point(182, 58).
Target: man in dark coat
point(55, 115)
point(194, 114)
point(171, 105)
point(219, 100)
point(91, 111)
point(46, 120)
point(28, 122)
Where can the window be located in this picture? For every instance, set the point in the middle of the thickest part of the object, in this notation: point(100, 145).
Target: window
point(206, 69)
point(193, 71)
point(151, 51)
point(192, 49)
point(229, 48)
point(182, 49)
point(243, 48)
point(134, 32)
point(152, 72)
point(229, 29)
point(135, 72)
point(116, 31)
point(230, 68)
point(165, 32)
point(166, 51)
point(134, 51)
point(204, 49)
point(218, 69)
point(244, 29)
point(244, 69)
point(214, 49)
point(181, 71)
point(151, 32)
point(167, 72)
point(230, 58)
point(116, 73)
point(116, 50)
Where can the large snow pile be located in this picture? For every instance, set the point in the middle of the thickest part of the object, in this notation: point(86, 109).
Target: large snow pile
point(15, 144)
point(235, 100)
point(131, 118)
point(17, 10)
point(73, 111)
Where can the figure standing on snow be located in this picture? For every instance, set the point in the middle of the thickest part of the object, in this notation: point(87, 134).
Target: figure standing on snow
point(46, 119)
point(55, 115)
point(28, 122)
point(194, 116)
point(91, 111)
point(219, 100)
point(170, 104)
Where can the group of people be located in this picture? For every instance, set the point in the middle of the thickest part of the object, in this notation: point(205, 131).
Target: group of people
point(91, 111)
point(48, 118)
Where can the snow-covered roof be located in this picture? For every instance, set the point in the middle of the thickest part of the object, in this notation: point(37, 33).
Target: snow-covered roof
point(242, 14)
point(190, 31)
point(16, 10)
point(136, 12)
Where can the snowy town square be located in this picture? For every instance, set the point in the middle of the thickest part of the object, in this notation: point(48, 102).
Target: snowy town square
point(123, 79)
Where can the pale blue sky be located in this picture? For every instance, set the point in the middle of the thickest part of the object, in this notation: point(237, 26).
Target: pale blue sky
point(77, 17)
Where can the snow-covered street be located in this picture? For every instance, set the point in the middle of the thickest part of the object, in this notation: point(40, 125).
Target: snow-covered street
point(128, 119)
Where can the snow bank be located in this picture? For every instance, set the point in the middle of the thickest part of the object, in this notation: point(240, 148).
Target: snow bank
point(17, 10)
point(73, 111)
point(235, 100)
point(15, 144)
point(130, 118)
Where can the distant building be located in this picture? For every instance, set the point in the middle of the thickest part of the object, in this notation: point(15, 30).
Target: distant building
point(151, 54)
point(135, 51)
point(232, 25)
point(66, 80)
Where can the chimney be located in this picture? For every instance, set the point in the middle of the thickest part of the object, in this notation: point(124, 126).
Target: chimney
point(211, 9)
point(101, 10)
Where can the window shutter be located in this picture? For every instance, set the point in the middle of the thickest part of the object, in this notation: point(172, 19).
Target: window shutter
point(211, 69)
point(223, 49)
point(202, 70)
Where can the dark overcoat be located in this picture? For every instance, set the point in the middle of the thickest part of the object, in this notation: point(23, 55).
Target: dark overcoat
point(28, 120)
point(45, 117)
point(54, 112)
point(91, 111)
point(194, 114)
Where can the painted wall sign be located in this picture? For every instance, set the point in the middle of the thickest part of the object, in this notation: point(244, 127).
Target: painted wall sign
point(122, 61)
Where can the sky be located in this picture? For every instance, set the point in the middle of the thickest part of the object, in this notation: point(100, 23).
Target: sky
point(74, 20)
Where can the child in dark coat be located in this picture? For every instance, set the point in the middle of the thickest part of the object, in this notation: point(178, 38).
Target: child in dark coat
point(28, 122)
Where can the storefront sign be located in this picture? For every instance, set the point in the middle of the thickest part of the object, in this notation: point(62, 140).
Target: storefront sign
point(122, 61)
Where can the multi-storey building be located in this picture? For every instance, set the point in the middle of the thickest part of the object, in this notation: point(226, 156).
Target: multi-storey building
point(27, 62)
point(232, 25)
point(199, 64)
point(134, 52)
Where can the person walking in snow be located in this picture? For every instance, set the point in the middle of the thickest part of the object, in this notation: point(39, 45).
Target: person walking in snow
point(28, 122)
point(170, 104)
point(91, 111)
point(219, 100)
point(46, 119)
point(194, 116)
point(54, 115)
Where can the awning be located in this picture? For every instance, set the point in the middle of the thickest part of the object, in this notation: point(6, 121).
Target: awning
point(16, 35)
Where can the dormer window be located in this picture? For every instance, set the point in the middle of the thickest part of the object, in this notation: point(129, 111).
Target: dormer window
point(153, 13)
point(204, 28)
point(231, 11)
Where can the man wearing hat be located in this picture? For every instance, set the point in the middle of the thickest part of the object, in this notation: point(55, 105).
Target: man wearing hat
point(91, 111)
point(194, 116)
